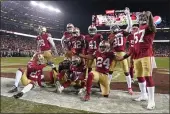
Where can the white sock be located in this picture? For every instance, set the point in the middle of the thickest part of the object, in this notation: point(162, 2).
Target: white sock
point(129, 81)
point(17, 77)
point(151, 91)
point(142, 87)
point(27, 88)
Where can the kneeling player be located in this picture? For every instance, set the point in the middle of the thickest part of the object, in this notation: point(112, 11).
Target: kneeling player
point(29, 77)
point(75, 74)
point(63, 71)
point(104, 58)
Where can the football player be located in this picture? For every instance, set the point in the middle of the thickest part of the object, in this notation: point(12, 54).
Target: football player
point(75, 75)
point(130, 39)
point(45, 45)
point(65, 40)
point(77, 41)
point(30, 76)
point(92, 42)
point(104, 58)
point(118, 41)
point(142, 54)
point(63, 69)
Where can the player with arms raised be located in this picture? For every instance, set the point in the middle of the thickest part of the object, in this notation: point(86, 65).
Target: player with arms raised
point(142, 54)
point(92, 42)
point(104, 58)
point(45, 46)
point(118, 41)
point(65, 40)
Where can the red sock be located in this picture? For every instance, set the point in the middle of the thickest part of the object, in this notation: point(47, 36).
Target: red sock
point(89, 83)
point(66, 84)
point(60, 75)
point(131, 72)
point(149, 81)
point(51, 77)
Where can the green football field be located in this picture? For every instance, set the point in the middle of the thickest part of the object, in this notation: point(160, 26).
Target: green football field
point(21, 106)
point(118, 75)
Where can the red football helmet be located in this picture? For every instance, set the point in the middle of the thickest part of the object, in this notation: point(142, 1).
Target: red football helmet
point(104, 46)
point(134, 29)
point(42, 29)
point(39, 58)
point(76, 60)
point(92, 30)
point(70, 27)
point(76, 31)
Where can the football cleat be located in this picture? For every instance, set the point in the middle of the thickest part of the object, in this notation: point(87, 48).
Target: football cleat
point(59, 87)
point(130, 91)
point(18, 95)
point(82, 91)
point(151, 106)
point(142, 98)
point(86, 97)
point(13, 89)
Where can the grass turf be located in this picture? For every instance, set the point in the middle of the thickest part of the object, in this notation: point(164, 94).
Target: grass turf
point(11, 105)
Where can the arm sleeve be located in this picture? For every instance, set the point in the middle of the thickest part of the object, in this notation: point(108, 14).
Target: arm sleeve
point(38, 45)
point(50, 39)
point(62, 41)
point(129, 23)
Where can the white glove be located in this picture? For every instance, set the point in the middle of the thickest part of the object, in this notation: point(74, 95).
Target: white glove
point(127, 11)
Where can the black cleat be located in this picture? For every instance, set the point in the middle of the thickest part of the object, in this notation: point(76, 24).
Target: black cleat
point(13, 89)
point(18, 95)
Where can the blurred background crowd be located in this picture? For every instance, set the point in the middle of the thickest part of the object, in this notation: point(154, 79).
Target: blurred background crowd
point(24, 17)
point(19, 46)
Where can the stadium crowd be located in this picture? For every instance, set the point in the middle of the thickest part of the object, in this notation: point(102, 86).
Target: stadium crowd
point(19, 46)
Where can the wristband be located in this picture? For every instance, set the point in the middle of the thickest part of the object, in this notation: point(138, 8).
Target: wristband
point(125, 56)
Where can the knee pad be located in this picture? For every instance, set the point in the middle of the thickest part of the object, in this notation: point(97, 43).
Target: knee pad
point(110, 72)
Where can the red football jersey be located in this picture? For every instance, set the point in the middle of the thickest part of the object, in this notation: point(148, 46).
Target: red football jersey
point(77, 43)
point(65, 40)
point(78, 72)
point(92, 42)
point(119, 42)
point(43, 42)
point(103, 61)
point(143, 40)
point(34, 71)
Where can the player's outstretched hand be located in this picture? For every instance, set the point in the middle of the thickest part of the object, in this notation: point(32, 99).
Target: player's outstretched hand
point(127, 10)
